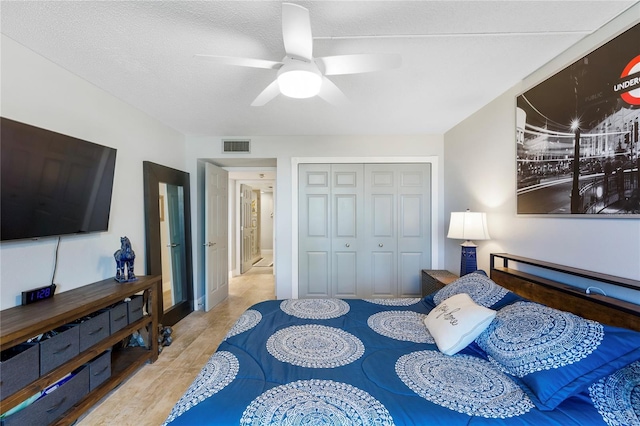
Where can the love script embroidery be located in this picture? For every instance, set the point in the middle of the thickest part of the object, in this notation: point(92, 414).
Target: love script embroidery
point(446, 314)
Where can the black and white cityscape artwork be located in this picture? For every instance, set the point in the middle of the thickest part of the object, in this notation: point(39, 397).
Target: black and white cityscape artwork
point(578, 151)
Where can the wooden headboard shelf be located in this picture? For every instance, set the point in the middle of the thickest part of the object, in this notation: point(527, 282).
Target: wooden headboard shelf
point(607, 310)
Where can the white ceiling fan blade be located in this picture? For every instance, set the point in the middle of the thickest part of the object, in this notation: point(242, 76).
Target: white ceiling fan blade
point(356, 64)
point(267, 94)
point(243, 62)
point(296, 31)
point(331, 93)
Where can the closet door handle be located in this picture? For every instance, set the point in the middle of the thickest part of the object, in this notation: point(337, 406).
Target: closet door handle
point(380, 245)
point(347, 245)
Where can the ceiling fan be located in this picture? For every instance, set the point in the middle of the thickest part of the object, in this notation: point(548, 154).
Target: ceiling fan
point(300, 75)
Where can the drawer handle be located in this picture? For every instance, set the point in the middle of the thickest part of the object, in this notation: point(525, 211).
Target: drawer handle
point(137, 309)
point(63, 349)
point(55, 407)
point(120, 318)
point(101, 371)
point(95, 332)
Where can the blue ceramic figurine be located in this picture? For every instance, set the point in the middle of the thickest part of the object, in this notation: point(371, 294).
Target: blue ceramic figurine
point(124, 261)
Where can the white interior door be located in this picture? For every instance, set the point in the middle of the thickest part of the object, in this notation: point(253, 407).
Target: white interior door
point(216, 229)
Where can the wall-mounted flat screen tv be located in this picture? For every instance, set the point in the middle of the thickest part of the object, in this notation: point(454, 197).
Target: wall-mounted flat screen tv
point(52, 184)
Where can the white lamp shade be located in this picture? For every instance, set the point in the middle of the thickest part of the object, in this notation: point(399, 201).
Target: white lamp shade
point(468, 226)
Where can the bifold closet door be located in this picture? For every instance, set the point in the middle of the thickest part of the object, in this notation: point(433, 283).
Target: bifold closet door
point(314, 238)
point(414, 227)
point(346, 227)
point(330, 222)
point(364, 229)
point(397, 228)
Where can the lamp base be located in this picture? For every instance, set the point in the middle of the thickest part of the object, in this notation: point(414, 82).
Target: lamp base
point(468, 260)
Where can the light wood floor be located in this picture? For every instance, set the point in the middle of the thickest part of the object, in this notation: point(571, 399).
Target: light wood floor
point(147, 397)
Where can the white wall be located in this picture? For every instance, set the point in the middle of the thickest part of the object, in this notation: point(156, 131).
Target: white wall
point(266, 221)
point(38, 92)
point(285, 149)
point(480, 174)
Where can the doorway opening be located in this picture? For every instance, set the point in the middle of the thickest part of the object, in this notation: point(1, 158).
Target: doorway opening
point(254, 213)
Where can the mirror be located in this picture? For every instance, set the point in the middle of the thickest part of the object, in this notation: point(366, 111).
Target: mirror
point(168, 238)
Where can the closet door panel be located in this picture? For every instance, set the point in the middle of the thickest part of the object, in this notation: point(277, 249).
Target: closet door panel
point(414, 227)
point(381, 223)
point(383, 274)
point(411, 216)
point(409, 282)
point(345, 246)
point(314, 231)
point(317, 276)
point(317, 207)
point(345, 278)
point(346, 225)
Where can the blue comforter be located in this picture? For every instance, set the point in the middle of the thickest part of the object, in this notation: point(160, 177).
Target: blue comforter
point(371, 362)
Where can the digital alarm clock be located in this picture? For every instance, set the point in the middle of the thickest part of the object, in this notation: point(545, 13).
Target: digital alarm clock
point(38, 294)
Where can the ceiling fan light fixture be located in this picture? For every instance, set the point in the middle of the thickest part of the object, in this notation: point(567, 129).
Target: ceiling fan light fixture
point(299, 80)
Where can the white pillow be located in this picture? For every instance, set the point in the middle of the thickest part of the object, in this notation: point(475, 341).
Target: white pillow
point(456, 322)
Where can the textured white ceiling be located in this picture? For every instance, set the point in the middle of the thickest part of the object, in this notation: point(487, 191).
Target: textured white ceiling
point(457, 56)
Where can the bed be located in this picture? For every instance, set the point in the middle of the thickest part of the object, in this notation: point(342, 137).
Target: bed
point(471, 353)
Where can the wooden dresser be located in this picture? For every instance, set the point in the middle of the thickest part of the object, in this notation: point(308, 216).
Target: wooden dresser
point(64, 311)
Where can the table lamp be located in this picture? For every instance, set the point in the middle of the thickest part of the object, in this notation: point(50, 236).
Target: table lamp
point(468, 226)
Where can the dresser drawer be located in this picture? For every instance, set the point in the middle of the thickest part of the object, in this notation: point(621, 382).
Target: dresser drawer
point(52, 406)
point(19, 366)
point(94, 329)
point(99, 370)
point(119, 317)
point(134, 307)
point(58, 349)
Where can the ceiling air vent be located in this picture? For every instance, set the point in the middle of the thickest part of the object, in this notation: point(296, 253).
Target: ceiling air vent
point(236, 146)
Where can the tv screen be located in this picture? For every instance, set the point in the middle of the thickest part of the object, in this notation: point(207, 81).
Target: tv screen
point(52, 184)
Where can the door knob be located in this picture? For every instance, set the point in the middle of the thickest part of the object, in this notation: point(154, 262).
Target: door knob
point(173, 245)
point(347, 245)
point(380, 245)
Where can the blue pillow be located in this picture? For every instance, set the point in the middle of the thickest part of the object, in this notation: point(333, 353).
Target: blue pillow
point(555, 354)
point(482, 290)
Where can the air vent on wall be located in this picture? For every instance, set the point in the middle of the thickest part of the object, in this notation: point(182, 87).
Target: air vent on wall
point(236, 146)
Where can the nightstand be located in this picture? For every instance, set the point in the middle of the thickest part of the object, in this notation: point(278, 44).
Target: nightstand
point(435, 279)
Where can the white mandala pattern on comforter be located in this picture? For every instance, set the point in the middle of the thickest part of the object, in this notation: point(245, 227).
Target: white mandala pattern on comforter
point(247, 321)
point(221, 369)
point(315, 308)
point(316, 402)
point(462, 383)
point(396, 301)
point(617, 397)
point(407, 326)
point(315, 346)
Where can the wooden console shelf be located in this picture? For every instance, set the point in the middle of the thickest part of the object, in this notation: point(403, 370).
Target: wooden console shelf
point(21, 323)
point(510, 272)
